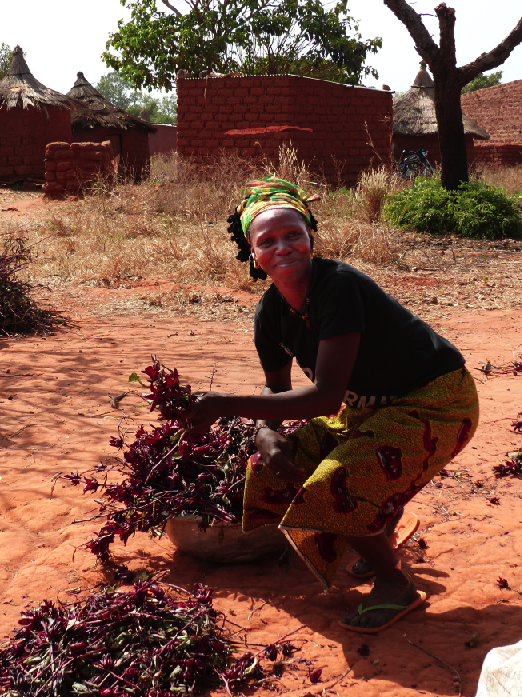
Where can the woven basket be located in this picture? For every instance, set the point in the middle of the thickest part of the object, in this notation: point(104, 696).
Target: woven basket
point(224, 543)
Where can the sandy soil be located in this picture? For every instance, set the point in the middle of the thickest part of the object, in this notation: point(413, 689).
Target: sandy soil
point(55, 416)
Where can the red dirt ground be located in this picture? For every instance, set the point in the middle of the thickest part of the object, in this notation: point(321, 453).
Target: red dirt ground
point(55, 416)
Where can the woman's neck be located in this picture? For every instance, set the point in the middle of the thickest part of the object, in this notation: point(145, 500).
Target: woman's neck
point(295, 291)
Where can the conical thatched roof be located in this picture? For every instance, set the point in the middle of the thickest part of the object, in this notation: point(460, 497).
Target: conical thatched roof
point(20, 88)
point(100, 112)
point(414, 112)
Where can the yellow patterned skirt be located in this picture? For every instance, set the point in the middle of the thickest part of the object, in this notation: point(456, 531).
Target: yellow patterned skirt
point(362, 465)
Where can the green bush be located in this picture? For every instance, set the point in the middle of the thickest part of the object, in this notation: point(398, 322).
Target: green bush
point(475, 210)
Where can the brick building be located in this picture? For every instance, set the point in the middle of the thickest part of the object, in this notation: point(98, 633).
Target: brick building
point(333, 127)
point(31, 115)
point(415, 122)
point(101, 121)
point(499, 110)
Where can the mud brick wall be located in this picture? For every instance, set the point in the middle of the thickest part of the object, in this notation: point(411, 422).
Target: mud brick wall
point(326, 122)
point(131, 148)
point(24, 134)
point(69, 167)
point(498, 109)
point(164, 141)
point(498, 154)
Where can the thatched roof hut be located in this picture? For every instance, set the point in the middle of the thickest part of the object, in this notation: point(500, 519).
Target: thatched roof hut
point(31, 115)
point(415, 122)
point(20, 88)
point(102, 120)
point(101, 113)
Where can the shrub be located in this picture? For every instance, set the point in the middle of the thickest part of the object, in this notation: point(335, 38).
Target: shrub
point(19, 314)
point(475, 210)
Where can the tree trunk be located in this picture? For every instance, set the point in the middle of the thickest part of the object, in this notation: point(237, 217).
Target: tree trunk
point(452, 140)
point(446, 78)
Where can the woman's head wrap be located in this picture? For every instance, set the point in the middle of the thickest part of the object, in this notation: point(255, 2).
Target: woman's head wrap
point(263, 195)
point(266, 194)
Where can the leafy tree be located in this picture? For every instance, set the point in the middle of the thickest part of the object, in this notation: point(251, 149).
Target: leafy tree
point(121, 93)
point(481, 81)
point(449, 80)
point(116, 90)
point(5, 59)
point(159, 110)
point(252, 36)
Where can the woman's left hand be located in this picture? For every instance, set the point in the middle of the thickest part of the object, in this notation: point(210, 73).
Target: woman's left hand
point(205, 412)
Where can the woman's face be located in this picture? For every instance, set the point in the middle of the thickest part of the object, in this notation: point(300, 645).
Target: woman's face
point(280, 241)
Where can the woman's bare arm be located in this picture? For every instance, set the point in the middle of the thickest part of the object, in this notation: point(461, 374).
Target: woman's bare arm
point(335, 360)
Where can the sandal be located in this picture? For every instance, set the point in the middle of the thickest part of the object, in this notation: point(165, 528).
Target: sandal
point(401, 611)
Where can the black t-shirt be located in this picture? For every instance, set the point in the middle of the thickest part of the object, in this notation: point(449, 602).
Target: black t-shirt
point(397, 352)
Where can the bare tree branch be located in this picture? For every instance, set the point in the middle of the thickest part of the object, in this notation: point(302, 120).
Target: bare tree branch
point(488, 61)
point(446, 17)
point(171, 7)
point(424, 44)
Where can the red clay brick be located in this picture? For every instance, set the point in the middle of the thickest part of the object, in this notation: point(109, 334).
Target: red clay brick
point(289, 91)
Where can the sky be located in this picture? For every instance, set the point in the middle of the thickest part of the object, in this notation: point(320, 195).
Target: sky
point(62, 37)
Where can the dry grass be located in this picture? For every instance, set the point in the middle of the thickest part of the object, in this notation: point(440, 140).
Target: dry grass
point(174, 225)
point(508, 178)
point(373, 188)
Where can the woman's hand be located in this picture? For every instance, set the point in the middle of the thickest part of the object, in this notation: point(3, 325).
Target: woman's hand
point(277, 456)
point(205, 412)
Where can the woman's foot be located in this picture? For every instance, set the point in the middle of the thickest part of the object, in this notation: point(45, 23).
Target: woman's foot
point(395, 589)
point(362, 568)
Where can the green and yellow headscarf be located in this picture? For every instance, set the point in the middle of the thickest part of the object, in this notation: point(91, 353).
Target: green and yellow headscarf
point(266, 194)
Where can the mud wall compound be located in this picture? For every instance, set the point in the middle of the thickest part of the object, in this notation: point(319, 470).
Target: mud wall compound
point(497, 154)
point(499, 110)
point(70, 167)
point(336, 129)
point(164, 141)
point(24, 134)
point(130, 147)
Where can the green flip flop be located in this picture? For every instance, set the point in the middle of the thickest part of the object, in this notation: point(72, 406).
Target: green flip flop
point(401, 611)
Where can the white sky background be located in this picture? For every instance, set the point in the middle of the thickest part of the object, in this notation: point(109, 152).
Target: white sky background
point(62, 37)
